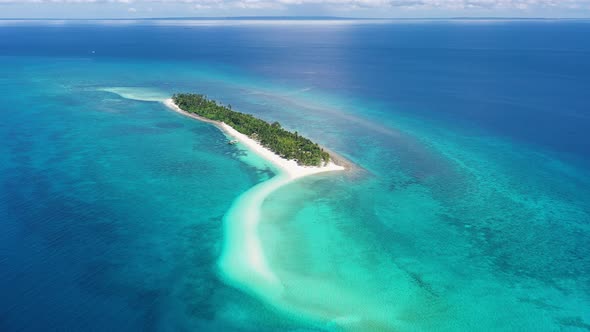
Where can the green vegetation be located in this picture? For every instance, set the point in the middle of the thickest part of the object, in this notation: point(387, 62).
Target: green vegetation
point(272, 136)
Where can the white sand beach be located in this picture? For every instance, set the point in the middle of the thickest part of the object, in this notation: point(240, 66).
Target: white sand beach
point(290, 167)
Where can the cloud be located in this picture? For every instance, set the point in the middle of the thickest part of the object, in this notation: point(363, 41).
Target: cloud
point(342, 4)
point(74, 1)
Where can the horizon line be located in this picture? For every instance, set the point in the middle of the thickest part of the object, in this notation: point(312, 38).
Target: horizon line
point(279, 17)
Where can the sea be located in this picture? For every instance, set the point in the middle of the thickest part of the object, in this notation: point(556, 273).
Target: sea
point(468, 208)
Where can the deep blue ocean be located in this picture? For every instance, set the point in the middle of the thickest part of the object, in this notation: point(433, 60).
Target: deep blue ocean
point(471, 212)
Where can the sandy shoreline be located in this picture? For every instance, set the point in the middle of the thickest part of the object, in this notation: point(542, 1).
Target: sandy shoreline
point(289, 167)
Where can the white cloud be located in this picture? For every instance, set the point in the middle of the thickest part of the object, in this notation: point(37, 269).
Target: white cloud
point(342, 4)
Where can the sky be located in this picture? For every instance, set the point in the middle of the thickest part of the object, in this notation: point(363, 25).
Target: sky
point(64, 9)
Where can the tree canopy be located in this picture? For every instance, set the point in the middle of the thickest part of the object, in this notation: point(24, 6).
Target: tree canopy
point(284, 143)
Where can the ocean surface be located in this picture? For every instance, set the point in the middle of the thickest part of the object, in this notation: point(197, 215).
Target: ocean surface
point(469, 210)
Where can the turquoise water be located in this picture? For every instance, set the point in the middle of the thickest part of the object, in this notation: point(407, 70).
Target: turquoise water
point(113, 207)
point(445, 233)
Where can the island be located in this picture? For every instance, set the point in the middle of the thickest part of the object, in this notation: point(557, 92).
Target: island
point(243, 261)
point(286, 144)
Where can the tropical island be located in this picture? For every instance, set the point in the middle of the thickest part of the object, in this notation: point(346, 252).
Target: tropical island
point(243, 261)
point(286, 144)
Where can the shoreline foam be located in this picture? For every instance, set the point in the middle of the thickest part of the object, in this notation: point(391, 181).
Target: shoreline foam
point(243, 263)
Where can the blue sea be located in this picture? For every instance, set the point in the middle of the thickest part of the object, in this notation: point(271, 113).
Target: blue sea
point(469, 208)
